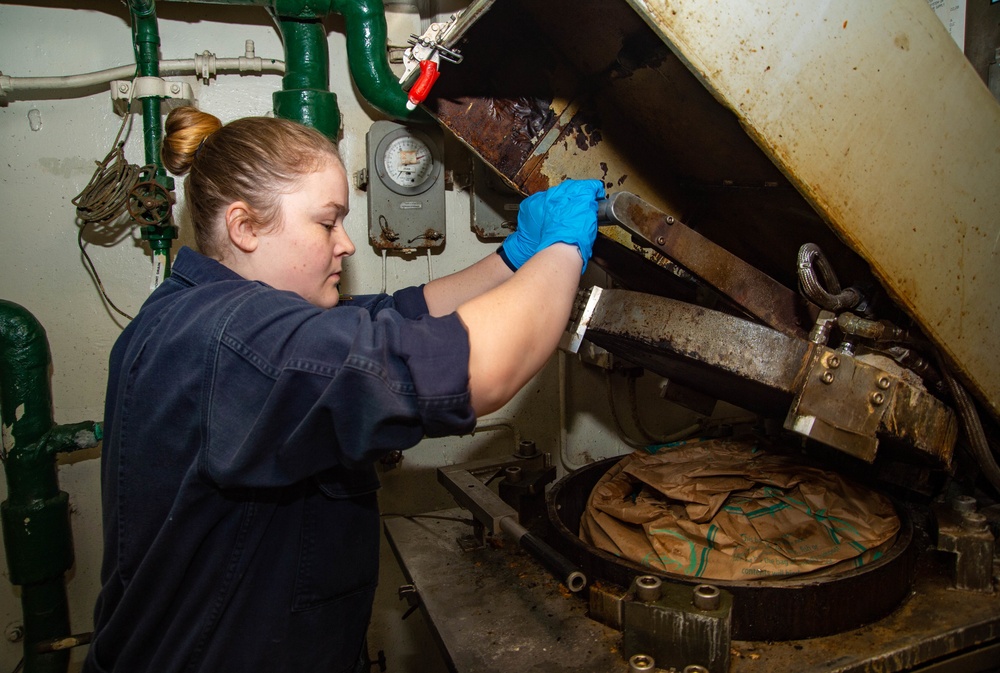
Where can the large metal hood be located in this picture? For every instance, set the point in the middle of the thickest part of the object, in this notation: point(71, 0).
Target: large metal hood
point(857, 126)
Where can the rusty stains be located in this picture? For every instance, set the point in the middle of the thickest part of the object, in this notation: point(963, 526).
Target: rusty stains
point(585, 129)
point(902, 40)
point(526, 118)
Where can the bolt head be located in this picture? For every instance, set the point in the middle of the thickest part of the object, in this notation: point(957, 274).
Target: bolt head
point(827, 377)
point(877, 398)
point(833, 362)
point(884, 382)
point(14, 632)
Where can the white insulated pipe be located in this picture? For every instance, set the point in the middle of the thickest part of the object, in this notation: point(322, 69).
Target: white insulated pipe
point(204, 66)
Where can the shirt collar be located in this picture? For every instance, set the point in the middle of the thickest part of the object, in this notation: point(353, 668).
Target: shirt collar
point(193, 268)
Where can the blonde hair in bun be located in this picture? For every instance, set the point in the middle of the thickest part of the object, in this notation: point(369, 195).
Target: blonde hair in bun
point(253, 160)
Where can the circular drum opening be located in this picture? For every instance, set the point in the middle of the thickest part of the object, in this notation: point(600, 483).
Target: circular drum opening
point(764, 609)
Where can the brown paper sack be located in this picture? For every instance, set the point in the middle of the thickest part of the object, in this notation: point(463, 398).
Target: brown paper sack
point(722, 509)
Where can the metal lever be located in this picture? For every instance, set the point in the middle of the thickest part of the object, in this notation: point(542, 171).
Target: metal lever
point(497, 516)
point(749, 288)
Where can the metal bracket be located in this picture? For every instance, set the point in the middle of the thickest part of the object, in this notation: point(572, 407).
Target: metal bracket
point(845, 403)
point(124, 92)
point(426, 46)
point(965, 533)
point(676, 625)
point(746, 286)
point(496, 516)
point(583, 311)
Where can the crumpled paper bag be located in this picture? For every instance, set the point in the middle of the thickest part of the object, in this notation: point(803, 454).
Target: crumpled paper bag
point(723, 509)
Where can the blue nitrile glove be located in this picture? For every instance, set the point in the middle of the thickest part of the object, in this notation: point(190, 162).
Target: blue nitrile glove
point(571, 215)
point(560, 214)
point(523, 242)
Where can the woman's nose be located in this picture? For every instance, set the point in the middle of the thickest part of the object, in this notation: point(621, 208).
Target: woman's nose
point(344, 245)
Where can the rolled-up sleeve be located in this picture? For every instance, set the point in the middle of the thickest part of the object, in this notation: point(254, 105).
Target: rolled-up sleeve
point(298, 390)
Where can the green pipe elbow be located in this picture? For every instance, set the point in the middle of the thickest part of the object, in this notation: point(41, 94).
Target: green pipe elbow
point(25, 397)
point(368, 60)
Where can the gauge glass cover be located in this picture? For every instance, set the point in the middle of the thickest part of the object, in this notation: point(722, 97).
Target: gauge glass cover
point(408, 161)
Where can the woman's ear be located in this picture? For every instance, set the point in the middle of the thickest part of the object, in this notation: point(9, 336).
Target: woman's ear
point(240, 226)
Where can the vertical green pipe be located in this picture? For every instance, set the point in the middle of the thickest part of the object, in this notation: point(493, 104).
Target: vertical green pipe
point(146, 43)
point(305, 96)
point(35, 515)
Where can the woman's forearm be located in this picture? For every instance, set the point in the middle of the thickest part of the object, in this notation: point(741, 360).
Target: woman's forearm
point(444, 295)
point(515, 327)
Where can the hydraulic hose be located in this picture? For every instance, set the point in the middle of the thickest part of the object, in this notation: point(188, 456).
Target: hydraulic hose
point(812, 260)
point(973, 426)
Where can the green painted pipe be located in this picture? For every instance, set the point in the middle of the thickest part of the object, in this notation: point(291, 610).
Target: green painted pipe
point(305, 94)
point(35, 515)
point(368, 60)
point(146, 43)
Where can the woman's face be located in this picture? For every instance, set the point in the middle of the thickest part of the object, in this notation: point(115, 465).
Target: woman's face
point(305, 252)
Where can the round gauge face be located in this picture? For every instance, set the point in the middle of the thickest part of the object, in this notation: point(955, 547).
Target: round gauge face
point(408, 161)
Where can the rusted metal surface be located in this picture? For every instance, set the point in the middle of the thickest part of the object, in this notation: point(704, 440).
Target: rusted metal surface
point(587, 90)
point(746, 286)
point(730, 358)
point(841, 401)
point(964, 534)
point(848, 404)
point(495, 609)
point(667, 624)
point(761, 147)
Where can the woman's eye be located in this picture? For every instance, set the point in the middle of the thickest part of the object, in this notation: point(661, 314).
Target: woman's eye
point(329, 226)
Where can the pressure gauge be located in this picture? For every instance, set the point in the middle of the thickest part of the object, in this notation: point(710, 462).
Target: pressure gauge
point(405, 186)
point(407, 163)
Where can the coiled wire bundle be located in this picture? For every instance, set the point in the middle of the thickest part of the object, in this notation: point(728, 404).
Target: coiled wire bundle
point(105, 199)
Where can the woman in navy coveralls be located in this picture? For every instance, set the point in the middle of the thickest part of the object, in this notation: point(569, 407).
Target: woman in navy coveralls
point(247, 404)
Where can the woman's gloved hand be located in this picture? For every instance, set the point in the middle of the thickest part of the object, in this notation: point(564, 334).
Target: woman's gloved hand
point(571, 215)
point(566, 213)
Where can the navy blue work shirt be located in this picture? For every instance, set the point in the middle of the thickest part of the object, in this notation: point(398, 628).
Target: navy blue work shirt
point(241, 428)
